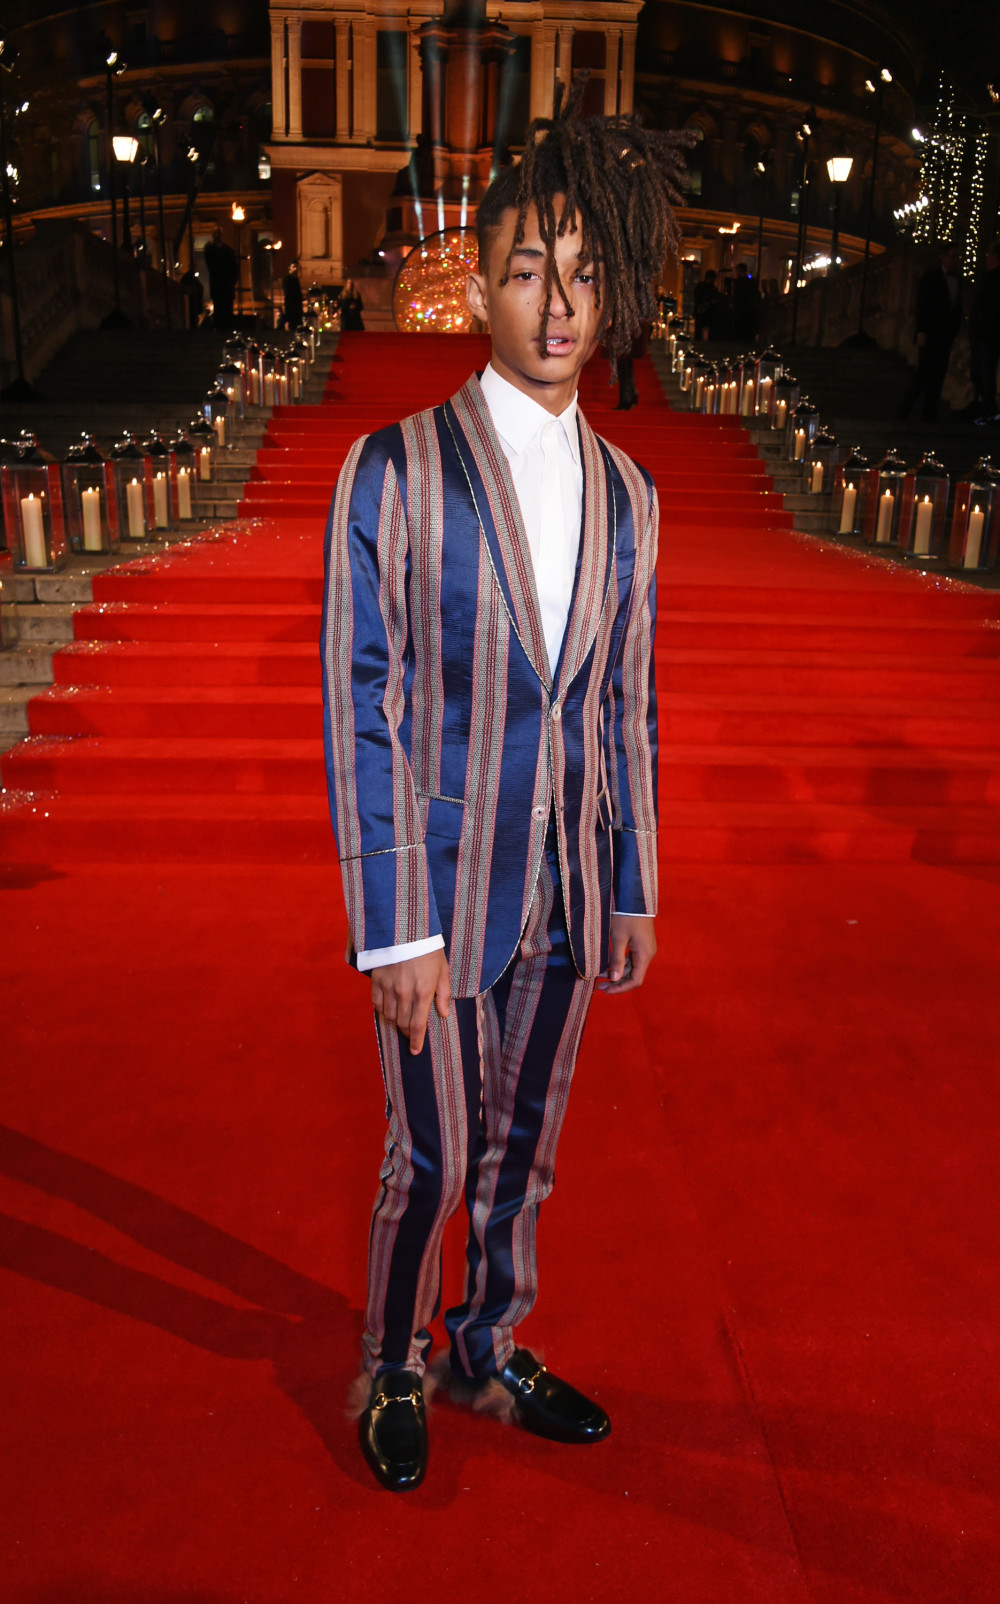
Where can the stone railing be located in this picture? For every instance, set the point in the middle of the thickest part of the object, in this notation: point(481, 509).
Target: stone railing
point(65, 282)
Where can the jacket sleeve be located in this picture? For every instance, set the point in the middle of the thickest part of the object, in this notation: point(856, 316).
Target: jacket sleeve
point(633, 738)
point(367, 673)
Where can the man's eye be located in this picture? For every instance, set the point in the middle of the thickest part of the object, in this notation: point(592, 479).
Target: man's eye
point(585, 278)
point(526, 274)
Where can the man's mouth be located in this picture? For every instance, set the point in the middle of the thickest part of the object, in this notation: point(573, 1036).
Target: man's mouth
point(559, 342)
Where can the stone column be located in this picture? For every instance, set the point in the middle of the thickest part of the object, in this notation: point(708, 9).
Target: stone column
point(564, 69)
point(626, 97)
point(414, 81)
point(342, 29)
point(543, 60)
point(365, 79)
point(295, 77)
point(279, 117)
point(611, 39)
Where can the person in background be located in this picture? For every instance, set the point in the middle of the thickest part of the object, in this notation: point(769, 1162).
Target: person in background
point(351, 308)
point(223, 277)
point(984, 335)
point(746, 304)
point(938, 320)
point(291, 289)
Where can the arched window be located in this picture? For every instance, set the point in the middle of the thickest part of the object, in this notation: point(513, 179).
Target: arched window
point(144, 134)
point(203, 128)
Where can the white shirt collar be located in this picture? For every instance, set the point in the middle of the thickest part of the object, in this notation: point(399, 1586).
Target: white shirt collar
point(518, 419)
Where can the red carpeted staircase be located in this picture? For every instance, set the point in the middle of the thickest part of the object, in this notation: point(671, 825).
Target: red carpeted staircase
point(814, 706)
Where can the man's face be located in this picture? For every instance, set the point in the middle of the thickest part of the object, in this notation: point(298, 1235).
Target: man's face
point(514, 310)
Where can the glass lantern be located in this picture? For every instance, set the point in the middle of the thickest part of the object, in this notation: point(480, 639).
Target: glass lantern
point(282, 384)
point(254, 375)
point(801, 430)
point(129, 461)
point(850, 480)
point(296, 375)
point(229, 379)
point(710, 392)
point(701, 372)
point(674, 331)
point(309, 333)
point(185, 458)
point(884, 500)
point(216, 409)
point(925, 509)
point(33, 507)
point(975, 524)
point(767, 369)
point(89, 502)
point(785, 397)
point(819, 464)
point(161, 472)
point(202, 436)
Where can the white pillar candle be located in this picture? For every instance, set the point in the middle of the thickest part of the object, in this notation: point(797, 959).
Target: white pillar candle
point(780, 413)
point(974, 538)
point(33, 525)
point(136, 513)
point(254, 387)
point(269, 389)
point(746, 407)
point(708, 398)
point(184, 492)
point(161, 511)
point(219, 426)
point(283, 388)
point(686, 379)
point(699, 390)
point(883, 529)
point(925, 524)
point(296, 382)
point(764, 396)
point(205, 463)
point(800, 444)
point(816, 479)
point(848, 505)
point(93, 539)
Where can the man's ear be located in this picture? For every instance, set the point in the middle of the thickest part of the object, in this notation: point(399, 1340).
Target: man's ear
point(475, 294)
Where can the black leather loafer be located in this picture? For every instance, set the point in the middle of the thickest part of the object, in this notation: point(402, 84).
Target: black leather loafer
point(393, 1430)
point(550, 1407)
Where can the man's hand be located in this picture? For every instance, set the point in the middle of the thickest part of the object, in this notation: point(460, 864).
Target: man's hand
point(402, 994)
point(633, 947)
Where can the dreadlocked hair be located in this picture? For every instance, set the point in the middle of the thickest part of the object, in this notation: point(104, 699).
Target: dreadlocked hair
point(619, 180)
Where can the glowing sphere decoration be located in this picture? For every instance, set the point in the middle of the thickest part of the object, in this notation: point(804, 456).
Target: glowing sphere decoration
point(429, 294)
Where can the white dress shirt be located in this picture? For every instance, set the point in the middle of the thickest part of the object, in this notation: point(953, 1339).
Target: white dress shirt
point(544, 456)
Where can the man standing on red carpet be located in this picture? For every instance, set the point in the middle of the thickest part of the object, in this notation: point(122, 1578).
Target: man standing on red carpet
point(491, 736)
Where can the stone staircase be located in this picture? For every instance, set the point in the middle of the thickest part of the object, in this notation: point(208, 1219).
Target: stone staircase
point(39, 609)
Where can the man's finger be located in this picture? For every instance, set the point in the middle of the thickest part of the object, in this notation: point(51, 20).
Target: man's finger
point(418, 1023)
point(616, 963)
point(442, 995)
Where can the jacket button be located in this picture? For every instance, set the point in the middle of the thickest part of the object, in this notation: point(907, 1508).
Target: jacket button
point(538, 812)
point(557, 713)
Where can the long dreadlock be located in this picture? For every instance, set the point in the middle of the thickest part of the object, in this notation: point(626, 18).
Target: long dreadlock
point(619, 180)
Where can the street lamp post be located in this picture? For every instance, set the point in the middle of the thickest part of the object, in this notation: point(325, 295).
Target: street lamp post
point(838, 171)
point(762, 168)
point(114, 66)
point(126, 148)
point(803, 134)
point(876, 88)
point(239, 218)
point(158, 117)
point(19, 389)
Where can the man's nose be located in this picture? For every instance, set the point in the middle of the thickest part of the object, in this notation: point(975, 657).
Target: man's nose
point(560, 305)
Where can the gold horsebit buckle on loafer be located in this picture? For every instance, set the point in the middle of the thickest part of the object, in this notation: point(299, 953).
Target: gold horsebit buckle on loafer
point(526, 1384)
point(382, 1399)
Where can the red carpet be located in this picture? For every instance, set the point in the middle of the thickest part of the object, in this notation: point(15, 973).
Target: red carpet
point(771, 1251)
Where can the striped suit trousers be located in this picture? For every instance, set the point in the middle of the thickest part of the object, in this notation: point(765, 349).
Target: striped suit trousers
point(475, 1116)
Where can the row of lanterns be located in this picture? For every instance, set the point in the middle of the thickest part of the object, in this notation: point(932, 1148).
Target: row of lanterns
point(92, 502)
point(889, 504)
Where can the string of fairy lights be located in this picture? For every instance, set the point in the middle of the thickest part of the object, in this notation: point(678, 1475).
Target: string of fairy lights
point(952, 189)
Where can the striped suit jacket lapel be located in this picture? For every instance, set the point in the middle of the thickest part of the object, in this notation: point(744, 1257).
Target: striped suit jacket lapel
point(499, 512)
point(597, 556)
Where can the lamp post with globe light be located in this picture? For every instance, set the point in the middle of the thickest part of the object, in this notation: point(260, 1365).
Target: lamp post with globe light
point(838, 170)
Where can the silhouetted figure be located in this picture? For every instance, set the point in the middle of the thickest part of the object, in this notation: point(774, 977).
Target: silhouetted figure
point(628, 395)
point(746, 304)
point(223, 277)
point(984, 334)
point(712, 317)
point(351, 307)
point(939, 317)
point(291, 289)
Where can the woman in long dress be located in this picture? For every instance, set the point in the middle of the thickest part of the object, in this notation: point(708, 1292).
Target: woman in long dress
point(351, 307)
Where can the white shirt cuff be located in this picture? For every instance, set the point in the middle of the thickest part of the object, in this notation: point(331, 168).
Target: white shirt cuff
point(375, 957)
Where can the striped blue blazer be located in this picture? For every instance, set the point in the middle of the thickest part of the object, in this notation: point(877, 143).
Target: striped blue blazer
point(448, 740)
